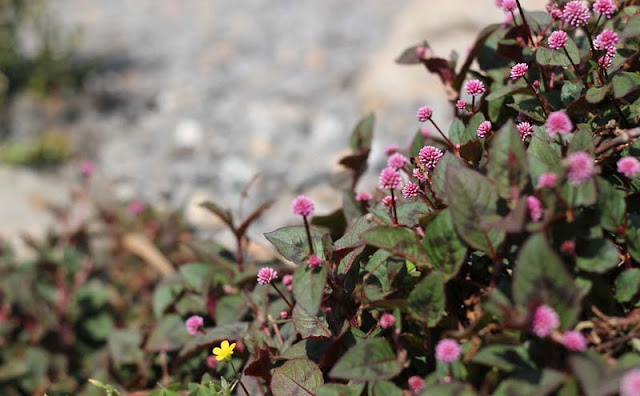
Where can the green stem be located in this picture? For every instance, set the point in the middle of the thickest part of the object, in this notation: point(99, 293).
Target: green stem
point(238, 375)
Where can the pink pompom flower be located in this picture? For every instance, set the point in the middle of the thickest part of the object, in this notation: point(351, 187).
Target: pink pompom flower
point(568, 247)
point(628, 166)
point(581, 167)
point(193, 324)
point(417, 173)
point(524, 130)
point(363, 196)
point(605, 61)
point(284, 315)
point(547, 180)
point(314, 261)
point(212, 362)
point(267, 275)
point(387, 201)
point(630, 383)
point(302, 206)
point(397, 161)
point(545, 320)
point(447, 350)
point(287, 280)
point(461, 105)
point(605, 7)
point(509, 5)
point(475, 87)
point(576, 13)
point(574, 341)
point(389, 179)
point(410, 190)
point(484, 129)
point(519, 70)
point(424, 113)
point(387, 320)
point(557, 39)
point(429, 156)
point(420, 52)
point(87, 168)
point(606, 41)
point(558, 122)
point(416, 384)
point(535, 208)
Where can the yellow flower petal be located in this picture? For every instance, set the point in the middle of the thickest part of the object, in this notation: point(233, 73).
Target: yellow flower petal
point(217, 351)
point(231, 347)
point(219, 358)
point(224, 345)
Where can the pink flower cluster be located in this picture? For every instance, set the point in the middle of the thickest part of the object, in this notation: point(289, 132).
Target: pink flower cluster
point(389, 179)
point(302, 206)
point(363, 196)
point(558, 122)
point(314, 261)
point(630, 383)
point(605, 7)
point(424, 113)
point(461, 105)
point(509, 5)
point(416, 384)
point(429, 156)
point(447, 350)
point(606, 41)
point(581, 167)
point(417, 173)
point(267, 275)
point(628, 166)
point(557, 39)
point(524, 129)
point(535, 208)
point(410, 190)
point(574, 341)
point(387, 320)
point(388, 200)
point(397, 161)
point(193, 324)
point(545, 320)
point(519, 70)
point(576, 13)
point(547, 180)
point(475, 87)
point(484, 129)
point(287, 280)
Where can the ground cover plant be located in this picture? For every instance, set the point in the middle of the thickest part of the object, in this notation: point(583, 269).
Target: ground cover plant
point(499, 258)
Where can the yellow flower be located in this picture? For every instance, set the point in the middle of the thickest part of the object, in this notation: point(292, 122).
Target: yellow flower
point(225, 351)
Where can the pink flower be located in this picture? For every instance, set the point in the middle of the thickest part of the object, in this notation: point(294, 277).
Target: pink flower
point(535, 208)
point(193, 324)
point(605, 61)
point(416, 384)
point(424, 113)
point(212, 362)
point(391, 149)
point(574, 341)
point(605, 7)
point(136, 207)
point(509, 5)
point(524, 129)
point(557, 39)
point(417, 173)
point(484, 129)
point(397, 161)
point(284, 315)
point(267, 275)
point(630, 383)
point(447, 350)
point(420, 52)
point(287, 280)
point(547, 180)
point(581, 167)
point(554, 11)
point(363, 196)
point(429, 156)
point(387, 320)
point(568, 248)
point(545, 320)
point(410, 190)
point(475, 87)
point(606, 41)
point(628, 166)
point(576, 13)
point(87, 168)
point(461, 105)
point(302, 206)
point(389, 179)
point(386, 201)
point(519, 70)
point(314, 261)
point(558, 122)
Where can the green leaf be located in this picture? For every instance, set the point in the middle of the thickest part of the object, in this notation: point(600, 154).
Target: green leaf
point(309, 325)
point(362, 134)
point(439, 174)
point(212, 336)
point(456, 130)
point(597, 94)
point(633, 236)
point(291, 242)
point(531, 108)
point(308, 286)
point(627, 285)
point(427, 301)
point(454, 388)
point(541, 275)
point(570, 92)
point(506, 90)
point(543, 156)
point(548, 57)
point(444, 249)
point(371, 360)
point(384, 388)
point(400, 242)
point(611, 205)
point(164, 296)
point(353, 389)
point(231, 308)
point(471, 130)
point(196, 275)
point(298, 377)
point(625, 83)
point(473, 203)
point(631, 28)
point(507, 165)
point(531, 383)
point(169, 334)
point(597, 255)
point(589, 368)
point(124, 346)
point(504, 357)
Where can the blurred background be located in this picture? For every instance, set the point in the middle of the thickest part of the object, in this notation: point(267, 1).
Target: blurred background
point(178, 101)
